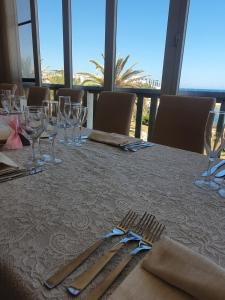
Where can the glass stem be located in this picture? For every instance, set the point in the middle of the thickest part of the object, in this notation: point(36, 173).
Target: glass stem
point(208, 171)
point(65, 133)
point(39, 146)
point(73, 134)
point(33, 150)
point(80, 130)
point(53, 148)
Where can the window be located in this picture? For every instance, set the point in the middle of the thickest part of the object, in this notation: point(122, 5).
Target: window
point(88, 31)
point(25, 38)
point(204, 52)
point(51, 41)
point(141, 35)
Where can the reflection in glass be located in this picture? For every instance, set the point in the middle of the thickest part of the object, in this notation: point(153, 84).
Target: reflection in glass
point(141, 35)
point(51, 41)
point(88, 42)
point(23, 10)
point(26, 51)
point(204, 50)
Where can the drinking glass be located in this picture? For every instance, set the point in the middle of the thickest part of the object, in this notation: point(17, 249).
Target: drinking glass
point(19, 103)
point(51, 127)
point(75, 120)
point(83, 118)
point(33, 125)
point(63, 118)
point(6, 100)
point(214, 143)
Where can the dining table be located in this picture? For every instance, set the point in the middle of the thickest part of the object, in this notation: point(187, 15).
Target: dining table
point(49, 218)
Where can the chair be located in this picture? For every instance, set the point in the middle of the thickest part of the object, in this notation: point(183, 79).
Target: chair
point(76, 95)
point(181, 121)
point(36, 95)
point(8, 86)
point(113, 112)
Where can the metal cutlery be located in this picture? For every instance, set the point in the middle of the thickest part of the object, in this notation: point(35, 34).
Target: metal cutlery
point(82, 281)
point(64, 271)
point(19, 173)
point(214, 168)
point(220, 174)
point(136, 146)
point(150, 236)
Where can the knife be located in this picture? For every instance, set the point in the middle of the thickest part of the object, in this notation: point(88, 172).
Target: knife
point(214, 169)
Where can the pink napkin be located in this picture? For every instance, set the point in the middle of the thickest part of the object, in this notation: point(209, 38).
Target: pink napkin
point(14, 141)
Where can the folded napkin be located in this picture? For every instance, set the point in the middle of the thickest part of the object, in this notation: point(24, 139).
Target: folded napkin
point(142, 285)
point(113, 139)
point(7, 165)
point(173, 272)
point(186, 270)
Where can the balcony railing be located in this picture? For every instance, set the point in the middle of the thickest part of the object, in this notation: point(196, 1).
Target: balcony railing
point(91, 96)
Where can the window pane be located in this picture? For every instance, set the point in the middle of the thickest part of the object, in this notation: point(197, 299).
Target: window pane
point(51, 41)
point(88, 41)
point(204, 53)
point(141, 35)
point(23, 10)
point(26, 51)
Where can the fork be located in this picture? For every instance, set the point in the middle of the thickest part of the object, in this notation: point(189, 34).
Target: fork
point(150, 236)
point(81, 281)
point(66, 270)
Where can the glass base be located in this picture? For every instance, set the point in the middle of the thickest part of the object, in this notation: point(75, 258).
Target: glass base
point(30, 165)
point(49, 159)
point(221, 192)
point(207, 184)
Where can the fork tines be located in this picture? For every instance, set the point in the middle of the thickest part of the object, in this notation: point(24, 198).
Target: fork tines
point(145, 222)
point(153, 232)
point(129, 219)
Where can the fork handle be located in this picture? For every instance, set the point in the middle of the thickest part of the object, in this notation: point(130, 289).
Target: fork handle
point(86, 277)
point(102, 287)
point(66, 270)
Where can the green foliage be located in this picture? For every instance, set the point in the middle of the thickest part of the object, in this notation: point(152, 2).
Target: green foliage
point(145, 119)
point(123, 77)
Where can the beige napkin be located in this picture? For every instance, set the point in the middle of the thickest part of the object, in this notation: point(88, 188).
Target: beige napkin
point(173, 272)
point(7, 165)
point(113, 139)
point(142, 285)
point(187, 270)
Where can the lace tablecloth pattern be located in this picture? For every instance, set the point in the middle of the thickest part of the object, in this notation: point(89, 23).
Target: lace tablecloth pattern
point(49, 218)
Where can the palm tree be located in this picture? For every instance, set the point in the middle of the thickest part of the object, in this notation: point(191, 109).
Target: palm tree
point(123, 78)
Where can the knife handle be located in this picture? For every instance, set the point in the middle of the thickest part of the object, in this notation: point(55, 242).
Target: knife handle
point(86, 277)
point(102, 287)
point(66, 270)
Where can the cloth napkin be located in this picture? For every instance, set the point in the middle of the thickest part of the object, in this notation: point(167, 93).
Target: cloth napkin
point(14, 141)
point(7, 165)
point(186, 270)
point(113, 139)
point(173, 272)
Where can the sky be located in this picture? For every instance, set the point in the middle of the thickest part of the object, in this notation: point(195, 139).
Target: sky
point(141, 33)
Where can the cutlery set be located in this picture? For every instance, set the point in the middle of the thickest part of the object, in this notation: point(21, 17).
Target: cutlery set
point(133, 147)
point(143, 232)
point(19, 173)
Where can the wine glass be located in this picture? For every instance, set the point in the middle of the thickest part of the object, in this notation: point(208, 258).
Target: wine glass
point(83, 118)
point(33, 125)
point(63, 118)
point(6, 100)
point(75, 120)
point(51, 127)
point(214, 143)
